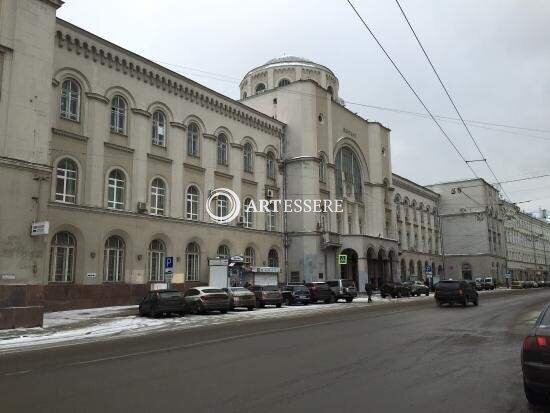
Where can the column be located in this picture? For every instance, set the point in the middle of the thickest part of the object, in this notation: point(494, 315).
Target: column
point(98, 115)
point(176, 149)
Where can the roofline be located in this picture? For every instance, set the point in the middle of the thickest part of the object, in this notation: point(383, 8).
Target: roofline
point(282, 63)
point(436, 195)
point(464, 180)
point(163, 68)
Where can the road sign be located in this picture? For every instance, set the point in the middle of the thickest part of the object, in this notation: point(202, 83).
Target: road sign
point(342, 259)
point(168, 262)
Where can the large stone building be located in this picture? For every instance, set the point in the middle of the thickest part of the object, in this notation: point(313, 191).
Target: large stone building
point(472, 228)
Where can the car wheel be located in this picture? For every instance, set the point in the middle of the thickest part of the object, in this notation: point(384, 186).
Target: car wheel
point(476, 301)
point(153, 313)
point(278, 305)
point(427, 294)
point(349, 300)
point(465, 303)
point(195, 308)
point(328, 300)
point(532, 396)
point(383, 295)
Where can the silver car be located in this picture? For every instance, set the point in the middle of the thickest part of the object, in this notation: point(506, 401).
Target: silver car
point(199, 300)
point(240, 297)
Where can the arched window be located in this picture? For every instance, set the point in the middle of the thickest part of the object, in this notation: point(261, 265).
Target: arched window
point(260, 87)
point(284, 82)
point(411, 268)
point(156, 253)
point(348, 174)
point(270, 165)
point(403, 270)
point(193, 139)
point(249, 256)
point(419, 269)
point(248, 214)
point(192, 203)
point(192, 261)
point(159, 128)
point(223, 252)
point(113, 259)
point(66, 181)
point(245, 95)
point(222, 149)
point(119, 115)
point(397, 201)
point(62, 257)
point(322, 169)
point(248, 157)
point(272, 258)
point(158, 197)
point(116, 189)
point(466, 271)
point(70, 100)
point(330, 90)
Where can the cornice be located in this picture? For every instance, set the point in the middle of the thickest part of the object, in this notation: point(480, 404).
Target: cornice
point(118, 147)
point(178, 125)
point(98, 51)
point(236, 145)
point(209, 136)
point(97, 96)
point(261, 154)
point(159, 158)
point(5, 49)
point(248, 181)
point(193, 167)
point(141, 112)
point(19, 164)
point(274, 188)
point(223, 174)
point(303, 159)
point(70, 135)
point(54, 3)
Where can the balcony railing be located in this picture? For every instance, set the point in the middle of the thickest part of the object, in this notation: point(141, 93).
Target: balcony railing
point(331, 240)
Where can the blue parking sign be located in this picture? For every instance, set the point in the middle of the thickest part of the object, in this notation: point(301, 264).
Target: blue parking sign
point(168, 262)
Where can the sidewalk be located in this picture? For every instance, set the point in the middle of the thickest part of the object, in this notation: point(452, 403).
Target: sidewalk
point(92, 324)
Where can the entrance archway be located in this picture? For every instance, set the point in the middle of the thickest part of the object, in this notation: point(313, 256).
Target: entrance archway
point(392, 266)
point(350, 271)
point(375, 268)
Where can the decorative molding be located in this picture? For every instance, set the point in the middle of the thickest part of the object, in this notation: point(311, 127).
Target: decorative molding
point(193, 167)
point(159, 158)
point(261, 154)
point(54, 3)
point(236, 146)
point(400, 182)
point(5, 49)
point(98, 51)
point(274, 188)
point(97, 96)
point(248, 181)
point(178, 125)
point(70, 135)
point(324, 191)
point(141, 112)
point(223, 174)
point(19, 164)
point(209, 136)
point(118, 147)
point(303, 159)
point(55, 82)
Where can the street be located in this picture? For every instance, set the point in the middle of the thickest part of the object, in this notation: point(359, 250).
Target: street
point(412, 357)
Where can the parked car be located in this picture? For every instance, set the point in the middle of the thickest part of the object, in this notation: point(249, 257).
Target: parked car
point(160, 302)
point(528, 284)
point(459, 292)
point(199, 300)
point(535, 284)
point(395, 290)
point(267, 295)
point(417, 288)
point(343, 289)
point(479, 284)
point(295, 294)
point(319, 291)
point(489, 283)
point(240, 297)
point(517, 285)
point(535, 359)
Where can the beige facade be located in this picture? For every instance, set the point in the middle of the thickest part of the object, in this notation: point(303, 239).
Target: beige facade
point(527, 244)
point(418, 230)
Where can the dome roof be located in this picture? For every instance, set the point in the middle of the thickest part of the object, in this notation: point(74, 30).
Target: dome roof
point(287, 59)
point(291, 61)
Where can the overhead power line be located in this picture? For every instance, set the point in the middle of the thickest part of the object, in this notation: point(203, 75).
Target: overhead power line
point(484, 158)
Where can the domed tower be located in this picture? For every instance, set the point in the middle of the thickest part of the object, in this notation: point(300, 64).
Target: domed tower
point(284, 70)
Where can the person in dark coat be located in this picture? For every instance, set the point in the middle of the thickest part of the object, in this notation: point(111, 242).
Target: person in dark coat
point(368, 289)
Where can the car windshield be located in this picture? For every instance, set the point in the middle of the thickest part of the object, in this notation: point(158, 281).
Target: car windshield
point(270, 288)
point(347, 283)
point(448, 285)
point(170, 294)
point(212, 290)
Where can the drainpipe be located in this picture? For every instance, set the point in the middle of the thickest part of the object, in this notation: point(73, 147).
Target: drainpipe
point(285, 221)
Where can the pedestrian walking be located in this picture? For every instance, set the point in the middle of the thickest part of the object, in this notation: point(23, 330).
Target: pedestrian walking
point(368, 289)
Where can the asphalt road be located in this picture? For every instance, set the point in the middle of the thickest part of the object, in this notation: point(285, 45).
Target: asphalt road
point(411, 357)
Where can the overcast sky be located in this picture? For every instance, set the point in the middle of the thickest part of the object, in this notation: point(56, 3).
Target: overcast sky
point(493, 55)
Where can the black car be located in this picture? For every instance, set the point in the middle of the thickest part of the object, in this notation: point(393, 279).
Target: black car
point(161, 302)
point(319, 291)
point(295, 294)
point(455, 292)
point(395, 290)
point(535, 360)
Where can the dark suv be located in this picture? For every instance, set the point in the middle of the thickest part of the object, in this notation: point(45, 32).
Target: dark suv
point(319, 291)
point(459, 292)
point(395, 290)
point(295, 294)
point(343, 289)
point(267, 295)
point(161, 302)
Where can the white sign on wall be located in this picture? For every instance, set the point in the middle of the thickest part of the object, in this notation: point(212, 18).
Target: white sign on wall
point(40, 228)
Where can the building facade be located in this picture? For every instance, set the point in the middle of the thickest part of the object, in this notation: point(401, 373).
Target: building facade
point(472, 228)
point(418, 230)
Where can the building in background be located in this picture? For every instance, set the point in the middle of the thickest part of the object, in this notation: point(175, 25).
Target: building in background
point(418, 230)
point(472, 228)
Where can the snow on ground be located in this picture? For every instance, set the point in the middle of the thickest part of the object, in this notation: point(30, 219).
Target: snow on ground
point(96, 323)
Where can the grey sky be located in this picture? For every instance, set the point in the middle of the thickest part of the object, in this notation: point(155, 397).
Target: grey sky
point(493, 55)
